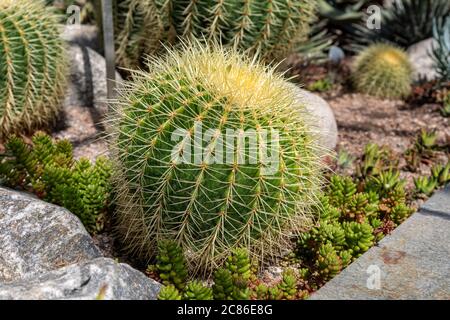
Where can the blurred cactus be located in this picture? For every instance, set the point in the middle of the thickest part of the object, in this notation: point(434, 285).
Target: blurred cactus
point(384, 71)
point(416, 16)
point(32, 66)
point(268, 28)
point(195, 290)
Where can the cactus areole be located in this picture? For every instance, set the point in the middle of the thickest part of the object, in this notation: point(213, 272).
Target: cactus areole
point(212, 150)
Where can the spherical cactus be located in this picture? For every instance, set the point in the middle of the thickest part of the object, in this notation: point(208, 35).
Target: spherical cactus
point(32, 65)
point(269, 27)
point(212, 150)
point(384, 71)
point(138, 28)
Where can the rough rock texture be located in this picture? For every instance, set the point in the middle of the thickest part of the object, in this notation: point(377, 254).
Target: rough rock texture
point(102, 278)
point(85, 101)
point(87, 84)
point(421, 60)
point(413, 262)
point(36, 237)
point(326, 123)
point(82, 35)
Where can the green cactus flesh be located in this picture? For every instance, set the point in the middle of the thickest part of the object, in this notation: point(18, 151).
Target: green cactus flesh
point(212, 206)
point(32, 66)
point(268, 27)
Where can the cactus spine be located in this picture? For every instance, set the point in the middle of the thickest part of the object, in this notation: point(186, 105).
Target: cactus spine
point(270, 28)
point(384, 71)
point(213, 205)
point(138, 28)
point(32, 65)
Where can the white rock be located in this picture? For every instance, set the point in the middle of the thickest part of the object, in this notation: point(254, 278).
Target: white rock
point(422, 61)
point(323, 118)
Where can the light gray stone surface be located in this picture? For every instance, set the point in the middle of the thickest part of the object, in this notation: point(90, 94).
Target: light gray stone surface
point(87, 80)
point(414, 261)
point(322, 117)
point(90, 280)
point(36, 237)
point(82, 35)
point(439, 203)
point(421, 60)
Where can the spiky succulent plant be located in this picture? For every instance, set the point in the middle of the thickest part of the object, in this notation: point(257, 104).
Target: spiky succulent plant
point(384, 71)
point(138, 29)
point(169, 293)
point(407, 22)
point(195, 290)
point(32, 65)
point(171, 264)
point(47, 168)
point(185, 171)
point(268, 27)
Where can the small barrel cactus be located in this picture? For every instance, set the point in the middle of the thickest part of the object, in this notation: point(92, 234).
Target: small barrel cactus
point(32, 65)
point(384, 71)
point(269, 27)
point(212, 150)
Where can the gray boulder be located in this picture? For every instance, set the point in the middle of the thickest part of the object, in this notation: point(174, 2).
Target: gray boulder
point(322, 118)
point(421, 60)
point(37, 237)
point(101, 278)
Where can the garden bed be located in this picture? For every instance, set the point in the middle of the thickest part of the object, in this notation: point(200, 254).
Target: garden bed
point(213, 229)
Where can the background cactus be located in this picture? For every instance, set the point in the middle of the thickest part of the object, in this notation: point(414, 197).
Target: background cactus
point(209, 207)
point(138, 29)
point(271, 28)
point(32, 65)
point(384, 71)
point(415, 16)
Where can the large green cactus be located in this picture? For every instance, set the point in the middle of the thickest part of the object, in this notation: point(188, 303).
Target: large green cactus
point(225, 194)
point(268, 27)
point(32, 65)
